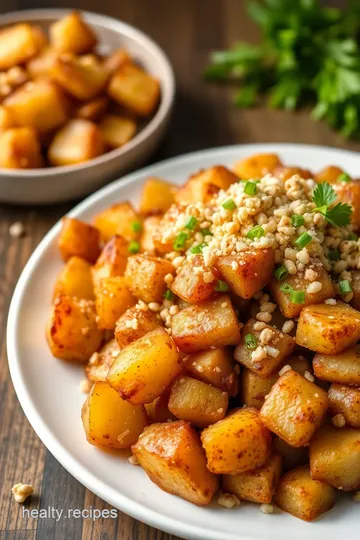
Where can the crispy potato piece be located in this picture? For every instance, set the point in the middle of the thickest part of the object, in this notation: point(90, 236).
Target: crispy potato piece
point(71, 34)
point(258, 485)
point(172, 457)
point(19, 43)
point(93, 109)
point(284, 173)
point(145, 276)
point(83, 77)
point(100, 362)
point(116, 60)
point(11, 80)
point(355, 283)
point(345, 400)
point(329, 174)
point(38, 104)
point(248, 272)
point(110, 421)
point(302, 496)
point(294, 408)
point(210, 324)
point(158, 410)
point(215, 367)
point(117, 130)
point(72, 332)
point(349, 193)
point(146, 367)
point(20, 149)
point(6, 119)
point(112, 260)
point(197, 402)
point(238, 443)
point(117, 219)
point(343, 368)
point(328, 329)
point(78, 141)
point(279, 347)
point(134, 324)
point(40, 66)
point(113, 298)
point(157, 196)
point(149, 228)
point(204, 185)
point(166, 227)
point(136, 90)
point(193, 287)
point(292, 457)
point(78, 239)
point(335, 457)
point(256, 166)
point(75, 280)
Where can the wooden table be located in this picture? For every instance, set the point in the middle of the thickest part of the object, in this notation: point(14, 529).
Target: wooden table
point(204, 117)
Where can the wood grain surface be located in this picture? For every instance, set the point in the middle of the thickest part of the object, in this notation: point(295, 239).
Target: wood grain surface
point(204, 117)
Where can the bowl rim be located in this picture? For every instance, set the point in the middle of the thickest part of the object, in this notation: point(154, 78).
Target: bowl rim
point(167, 82)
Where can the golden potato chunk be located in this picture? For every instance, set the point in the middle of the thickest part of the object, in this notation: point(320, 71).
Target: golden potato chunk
point(110, 421)
point(92, 110)
point(134, 324)
point(329, 174)
point(204, 185)
point(349, 193)
point(284, 173)
point(345, 400)
point(40, 66)
point(112, 260)
point(149, 228)
point(166, 231)
point(238, 443)
point(116, 59)
point(158, 410)
point(145, 276)
point(248, 272)
point(75, 280)
point(83, 77)
point(6, 119)
point(78, 141)
point(258, 485)
point(72, 332)
point(292, 457)
point(78, 239)
point(302, 496)
point(294, 408)
point(256, 166)
point(328, 329)
point(335, 457)
point(100, 362)
point(71, 34)
point(355, 284)
point(113, 298)
point(157, 196)
point(117, 130)
point(343, 368)
point(197, 402)
point(172, 457)
point(210, 324)
point(117, 219)
point(146, 367)
point(19, 43)
point(20, 149)
point(136, 90)
point(193, 287)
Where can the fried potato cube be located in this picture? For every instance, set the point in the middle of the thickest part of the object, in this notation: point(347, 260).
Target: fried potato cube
point(355, 284)
point(302, 496)
point(6, 119)
point(149, 228)
point(117, 130)
point(215, 367)
point(248, 272)
point(116, 60)
point(72, 332)
point(193, 287)
point(38, 104)
point(328, 329)
point(256, 166)
point(292, 457)
point(210, 324)
point(145, 276)
point(284, 173)
point(19, 43)
point(146, 367)
point(93, 109)
point(345, 400)
point(294, 408)
point(238, 443)
point(172, 457)
point(20, 149)
point(165, 244)
point(83, 77)
point(134, 324)
point(197, 402)
point(299, 283)
point(71, 34)
point(274, 352)
point(78, 141)
point(112, 260)
point(75, 280)
point(158, 410)
point(258, 485)
point(329, 174)
point(335, 457)
point(100, 362)
point(343, 368)
point(254, 388)
point(157, 196)
point(204, 185)
point(78, 239)
point(110, 421)
point(117, 219)
point(113, 298)
point(349, 193)
point(136, 90)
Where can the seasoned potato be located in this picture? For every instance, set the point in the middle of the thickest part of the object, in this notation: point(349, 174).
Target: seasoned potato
point(6, 119)
point(329, 174)
point(302, 496)
point(78, 141)
point(190, 286)
point(343, 368)
point(165, 234)
point(19, 43)
point(202, 186)
point(210, 324)
point(284, 173)
point(112, 260)
point(132, 87)
point(158, 410)
point(92, 110)
point(82, 77)
point(157, 196)
point(238, 443)
point(145, 276)
point(335, 457)
point(75, 280)
point(328, 329)
point(117, 219)
point(117, 130)
point(247, 272)
point(294, 408)
point(278, 348)
point(72, 35)
point(349, 193)
point(215, 367)
point(40, 66)
point(256, 166)
point(345, 400)
point(110, 421)
point(258, 485)
point(38, 104)
point(116, 59)
point(197, 402)
point(100, 362)
point(78, 239)
point(355, 284)
point(20, 149)
point(172, 457)
point(134, 324)
point(292, 457)
point(146, 367)
point(72, 332)
point(149, 227)
point(113, 298)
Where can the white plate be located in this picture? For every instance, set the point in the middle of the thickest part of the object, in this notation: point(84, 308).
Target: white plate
point(48, 389)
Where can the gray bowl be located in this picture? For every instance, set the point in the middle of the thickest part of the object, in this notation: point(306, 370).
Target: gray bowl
point(56, 184)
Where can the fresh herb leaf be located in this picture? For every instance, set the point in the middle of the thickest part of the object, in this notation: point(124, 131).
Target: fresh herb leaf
point(338, 215)
point(324, 195)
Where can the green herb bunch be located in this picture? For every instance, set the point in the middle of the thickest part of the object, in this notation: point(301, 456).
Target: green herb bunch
point(308, 54)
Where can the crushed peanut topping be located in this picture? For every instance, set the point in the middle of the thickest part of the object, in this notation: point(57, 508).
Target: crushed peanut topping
point(285, 369)
point(228, 500)
point(309, 376)
point(267, 508)
point(338, 420)
point(22, 491)
point(85, 386)
point(133, 460)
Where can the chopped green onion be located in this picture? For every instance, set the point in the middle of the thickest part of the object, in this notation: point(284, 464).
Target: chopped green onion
point(334, 255)
point(297, 297)
point(250, 341)
point(180, 240)
point(343, 177)
point(191, 223)
point(286, 288)
point(221, 286)
point(297, 220)
point(136, 226)
point(250, 188)
point(303, 240)
point(255, 232)
point(134, 247)
point(353, 237)
point(229, 205)
point(169, 295)
point(345, 286)
point(207, 232)
point(281, 273)
point(198, 248)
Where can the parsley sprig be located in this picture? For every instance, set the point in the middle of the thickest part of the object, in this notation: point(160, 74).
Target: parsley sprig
point(324, 196)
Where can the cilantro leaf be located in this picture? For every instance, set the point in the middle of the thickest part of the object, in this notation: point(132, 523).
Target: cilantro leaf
point(339, 215)
point(324, 195)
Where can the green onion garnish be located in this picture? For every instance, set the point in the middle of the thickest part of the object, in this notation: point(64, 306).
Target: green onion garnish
point(297, 297)
point(180, 240)
point(286, 288)
point(136, 226)
point(345, 286)
point(343, 177)
point(297, 221)
point(255, 232)
point(229, 205)
point(281, 273)
point(198, 248)
point(250, 341)
point(221, 286)
point(207, 232)
point(134, 247)
point(303, 240)
point(169, 295)
point(353, 237)
point(250, 188)
point(191, 223)
point(334, 255)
